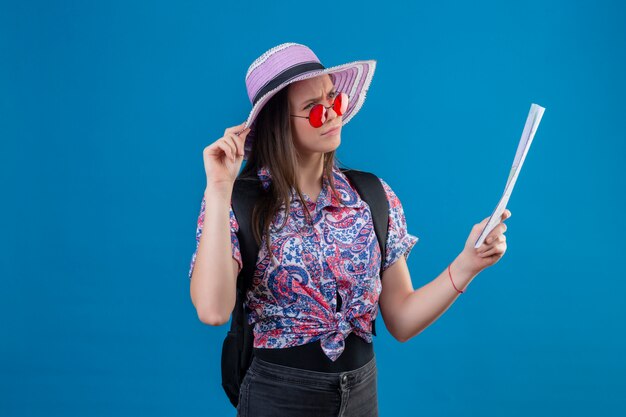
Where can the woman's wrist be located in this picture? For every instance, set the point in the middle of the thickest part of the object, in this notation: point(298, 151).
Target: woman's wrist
point(213, 191)
point(461, 272)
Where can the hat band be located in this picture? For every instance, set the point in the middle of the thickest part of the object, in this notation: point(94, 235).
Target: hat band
point(285, 76)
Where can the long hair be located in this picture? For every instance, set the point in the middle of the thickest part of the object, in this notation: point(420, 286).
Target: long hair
point(273, 148)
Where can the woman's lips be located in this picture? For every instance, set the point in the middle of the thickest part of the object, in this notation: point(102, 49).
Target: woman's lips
point(332, 131)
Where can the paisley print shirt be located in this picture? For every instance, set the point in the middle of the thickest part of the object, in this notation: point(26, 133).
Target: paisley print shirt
point(293, 299)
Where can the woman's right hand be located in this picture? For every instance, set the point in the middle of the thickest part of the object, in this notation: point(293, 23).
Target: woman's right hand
point(223, 158)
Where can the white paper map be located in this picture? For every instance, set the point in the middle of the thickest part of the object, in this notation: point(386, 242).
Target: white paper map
point(532, 122)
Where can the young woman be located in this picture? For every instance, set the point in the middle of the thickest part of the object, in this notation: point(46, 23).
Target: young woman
point(318, 279)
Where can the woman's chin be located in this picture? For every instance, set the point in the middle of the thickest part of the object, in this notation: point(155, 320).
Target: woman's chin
point(333, 137)
point(332, 140)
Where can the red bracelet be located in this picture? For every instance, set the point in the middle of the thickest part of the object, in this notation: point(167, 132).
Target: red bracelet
point(459, 291)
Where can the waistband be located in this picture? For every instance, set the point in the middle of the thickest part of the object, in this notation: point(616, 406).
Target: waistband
point(319, 380)
point(357, 352)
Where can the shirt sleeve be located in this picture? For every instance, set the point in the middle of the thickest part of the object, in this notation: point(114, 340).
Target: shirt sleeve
point(399, 240)
point(234, 242)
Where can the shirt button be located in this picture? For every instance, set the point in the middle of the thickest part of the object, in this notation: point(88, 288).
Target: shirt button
point(344, 379)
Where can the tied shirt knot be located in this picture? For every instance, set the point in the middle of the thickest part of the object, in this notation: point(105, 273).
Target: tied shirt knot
point(333, 342)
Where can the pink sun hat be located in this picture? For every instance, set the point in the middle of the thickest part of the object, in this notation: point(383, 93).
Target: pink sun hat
point(290, 62)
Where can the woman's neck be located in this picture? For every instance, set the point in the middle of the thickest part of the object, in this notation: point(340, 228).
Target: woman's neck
point(310, 171)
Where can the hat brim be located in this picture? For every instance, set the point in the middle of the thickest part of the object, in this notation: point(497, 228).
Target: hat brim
point(352, 78)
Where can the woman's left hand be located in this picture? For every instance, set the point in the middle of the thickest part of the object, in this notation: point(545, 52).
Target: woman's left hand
point(475, 260)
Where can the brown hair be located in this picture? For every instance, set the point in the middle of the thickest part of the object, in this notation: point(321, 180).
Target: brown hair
point(273, 148)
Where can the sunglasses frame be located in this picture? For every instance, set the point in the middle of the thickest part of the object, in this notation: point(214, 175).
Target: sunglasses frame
point(338, 94)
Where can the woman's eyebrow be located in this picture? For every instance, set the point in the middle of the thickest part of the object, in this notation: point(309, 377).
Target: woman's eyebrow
point(318, 98)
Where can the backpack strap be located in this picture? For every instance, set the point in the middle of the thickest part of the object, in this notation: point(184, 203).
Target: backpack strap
point(246, 191)
point(371, 190)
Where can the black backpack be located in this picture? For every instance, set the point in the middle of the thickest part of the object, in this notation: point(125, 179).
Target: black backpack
point(237, 349)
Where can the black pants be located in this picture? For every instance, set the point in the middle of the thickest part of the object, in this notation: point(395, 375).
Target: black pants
point(270, 389)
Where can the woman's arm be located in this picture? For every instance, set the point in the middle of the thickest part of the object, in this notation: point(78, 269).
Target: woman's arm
point(214, 278)
point(407, 312)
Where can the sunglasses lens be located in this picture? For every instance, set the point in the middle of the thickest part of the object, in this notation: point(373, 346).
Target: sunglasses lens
point(341, 104)
point(317, 116)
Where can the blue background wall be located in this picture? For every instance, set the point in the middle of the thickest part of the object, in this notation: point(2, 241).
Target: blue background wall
point(105, 109)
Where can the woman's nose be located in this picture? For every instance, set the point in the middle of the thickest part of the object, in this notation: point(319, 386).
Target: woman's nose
point(330, 113)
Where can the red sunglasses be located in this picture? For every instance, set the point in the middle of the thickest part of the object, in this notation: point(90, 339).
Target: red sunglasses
point(317, 115)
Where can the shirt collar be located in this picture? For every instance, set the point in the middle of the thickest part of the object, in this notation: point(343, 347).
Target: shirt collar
point(326, 198)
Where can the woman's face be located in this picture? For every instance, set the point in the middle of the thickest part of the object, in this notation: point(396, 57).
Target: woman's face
point(309, 140)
